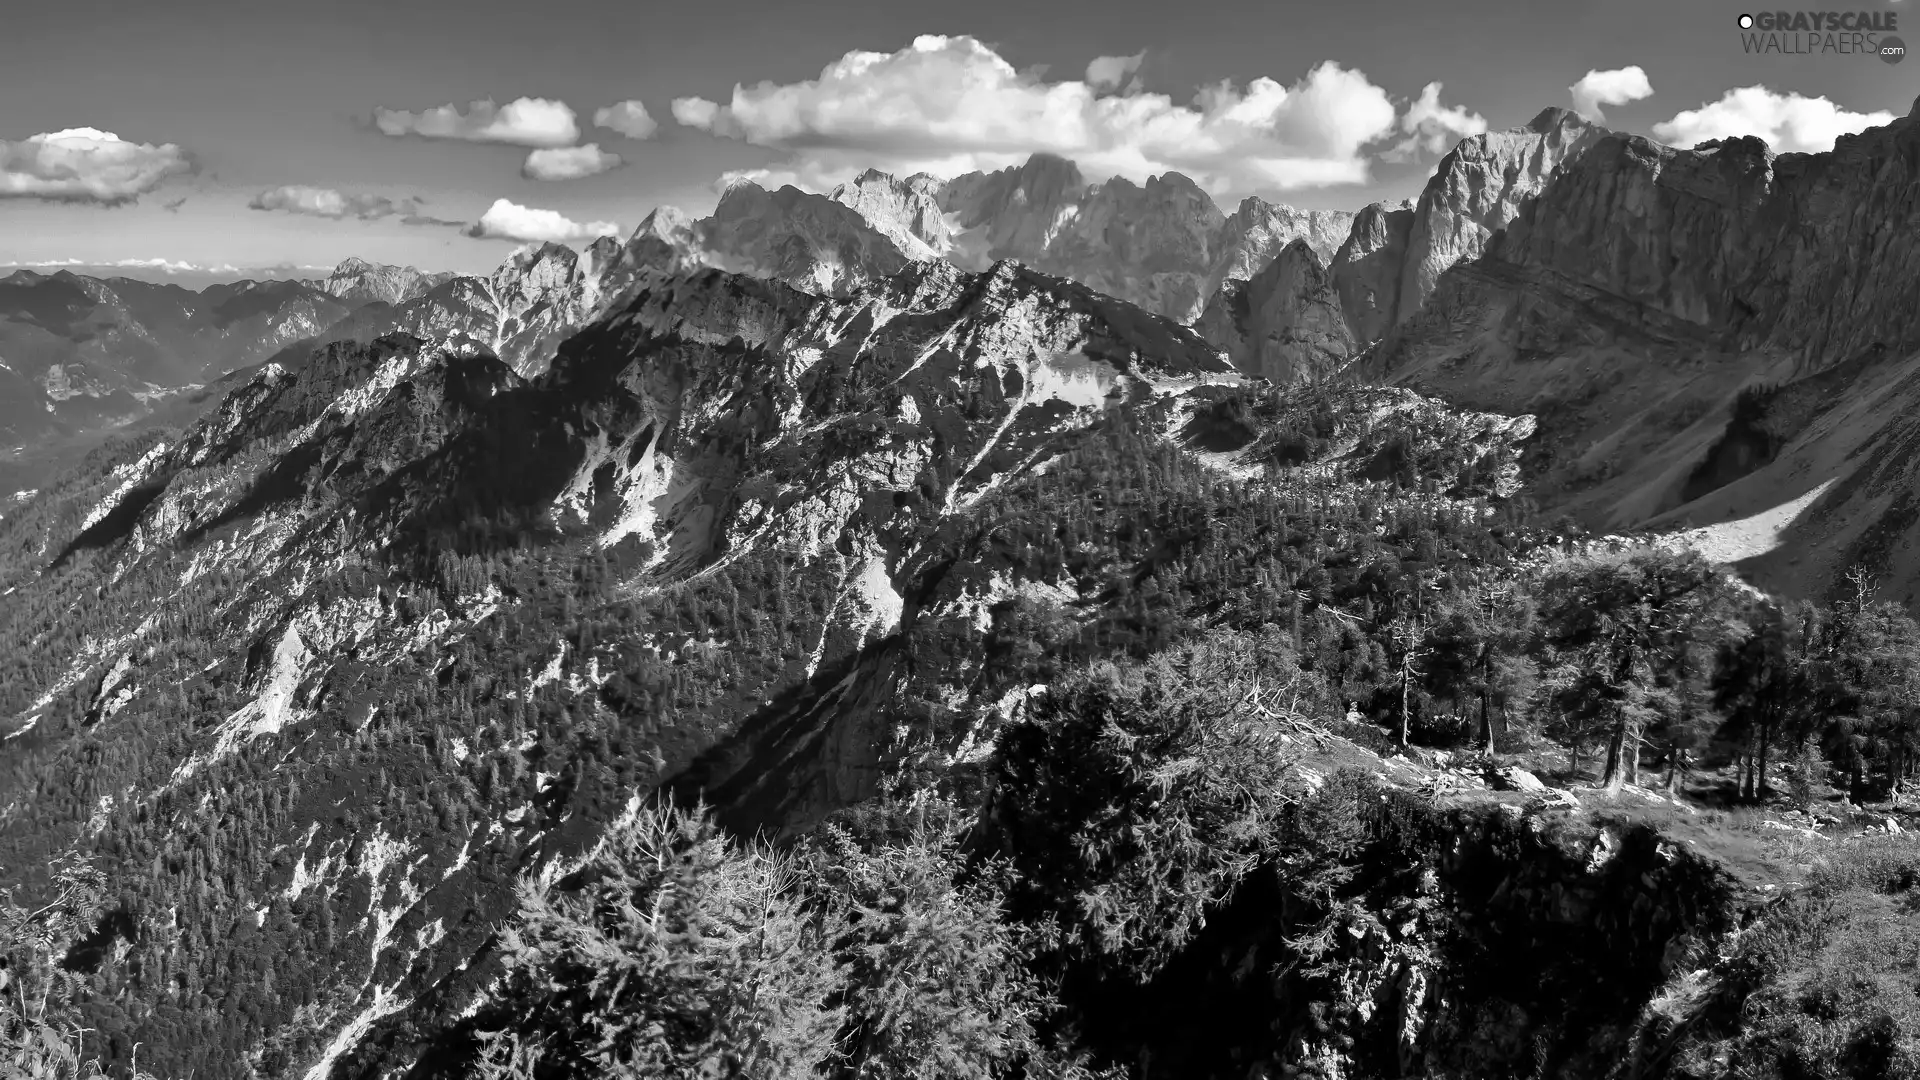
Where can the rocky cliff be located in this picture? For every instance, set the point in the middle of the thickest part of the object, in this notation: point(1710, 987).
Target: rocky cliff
point(1285, 324)
point(1681, 320)
point(1394, 255)
point(1163, 245)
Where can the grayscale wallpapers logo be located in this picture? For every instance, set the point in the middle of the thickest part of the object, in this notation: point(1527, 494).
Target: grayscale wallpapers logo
point(1841, 33)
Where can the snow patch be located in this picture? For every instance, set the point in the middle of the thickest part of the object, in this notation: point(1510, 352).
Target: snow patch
point(1749, 537)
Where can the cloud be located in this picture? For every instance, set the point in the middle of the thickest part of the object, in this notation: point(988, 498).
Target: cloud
point(165, 266)
point(328, 203)
point(506, 220)
point(568, 163)
point(1108, 72)
point(1788, 122)
point(86, 165)
point(948, 105)
point(522, 122)
point(629, 118)
point(173, 206)
point(1616, 87)
point(1433, 128)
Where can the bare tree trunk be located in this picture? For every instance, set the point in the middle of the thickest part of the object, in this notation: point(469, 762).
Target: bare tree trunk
point(1760, 788)
point(1616, 773)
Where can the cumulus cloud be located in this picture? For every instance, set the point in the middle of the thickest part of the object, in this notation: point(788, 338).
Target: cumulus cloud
point(568, 163)
point(629, 118)
point(948, 105)
point(522, 122)
point(1788, 122)
point(1616, 87)
point(1433, 128)
point(1108, 72)
point(86, 165)
point(506, 220)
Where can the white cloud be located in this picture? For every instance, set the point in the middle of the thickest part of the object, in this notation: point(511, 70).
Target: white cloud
point(771, 179)
point(1788, 122)
point(328, 203)
point(947, 105)
point(569, 162)
point(697, 112)
point(506, 220)
point(1108, 72)
point(1434, 128)
point(86, 165)
point(629, 118)
point(1615, 87)
point(522, 122)
point(165, 266)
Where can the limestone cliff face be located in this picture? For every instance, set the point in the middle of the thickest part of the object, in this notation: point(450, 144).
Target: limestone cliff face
point(1013, 213)
point(1285, 325)
point(1367, 268)
point(805, 240)
point(1394, 257)
point(1814, 253)
point(1478, 189)
point(1254, 234)
point(357, 281)
point(906, 211)
point(1651, 302)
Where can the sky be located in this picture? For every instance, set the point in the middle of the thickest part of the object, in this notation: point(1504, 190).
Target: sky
point(197, 135)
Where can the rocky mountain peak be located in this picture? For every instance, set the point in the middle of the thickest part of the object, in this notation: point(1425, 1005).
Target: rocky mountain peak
point(905, 211)
point(1553, 117)
point(1285, 323)
point(1395, 256)
point(356, 280)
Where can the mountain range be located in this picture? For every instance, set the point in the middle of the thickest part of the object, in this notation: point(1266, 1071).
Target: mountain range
point(353, 613)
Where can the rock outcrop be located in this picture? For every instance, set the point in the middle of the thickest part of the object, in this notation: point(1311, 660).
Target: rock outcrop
point(1256, 232)
point(1285, 324)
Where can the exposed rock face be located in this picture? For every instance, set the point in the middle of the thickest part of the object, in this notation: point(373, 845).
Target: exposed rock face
point(1254, 234)
point(1367, 268)
point(1164, 245)
point(1479, 188)
point(1285, 325)
point(1013, 213)
point(1714, 338)
point(907, 212)
point(536, 298)
point(357, 281)
point(1393, 258)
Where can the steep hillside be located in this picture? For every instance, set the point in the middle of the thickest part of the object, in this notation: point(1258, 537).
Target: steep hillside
point(1709, 336)
point(391, 521)
point(1394, 254)
point(1284, 324)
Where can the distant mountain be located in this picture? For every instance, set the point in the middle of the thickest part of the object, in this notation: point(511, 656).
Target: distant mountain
point(1285, 325)
point(79, 352)
point(1164, 245)
point(358, 281)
